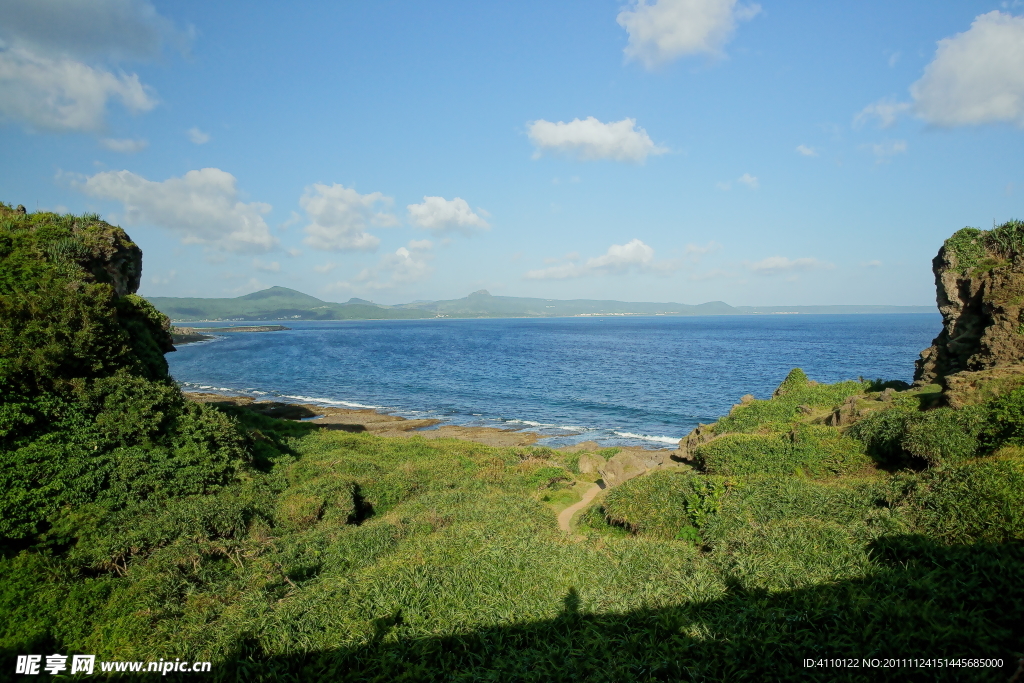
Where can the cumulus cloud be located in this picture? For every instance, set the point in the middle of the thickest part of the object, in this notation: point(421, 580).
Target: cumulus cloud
point(591, 140)
point(804, 150)
point(405, 265)
point(620, 258)
point(669, 29)
point(55, 55)
point(325, 267)
point(339, 217)
point(61, 94)
point(197, 136)
point(124, 146)
point(778, 265)
point(201, 207)
point(441, 215)
point(886, 111)
point(976, 76)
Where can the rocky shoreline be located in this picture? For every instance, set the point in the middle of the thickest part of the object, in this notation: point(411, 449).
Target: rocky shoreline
point(189, 335)
point(628, 462)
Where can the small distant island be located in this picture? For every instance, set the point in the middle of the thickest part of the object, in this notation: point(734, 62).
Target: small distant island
point(281, 303)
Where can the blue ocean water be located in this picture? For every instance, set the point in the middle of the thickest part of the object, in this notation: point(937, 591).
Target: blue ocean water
point(616, 380)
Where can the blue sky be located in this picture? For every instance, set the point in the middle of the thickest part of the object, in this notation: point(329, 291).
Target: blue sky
point(677, 150)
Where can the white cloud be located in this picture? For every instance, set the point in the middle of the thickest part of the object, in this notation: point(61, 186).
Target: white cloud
point(197, 136)
point(976, 76)
point(339, 217)
point(62, 94)
point(293, 218)
point(893, 58)
point(777, 265)
point(405, 265)
point(52, 55)
point(886, 149)
point(201, 207)
point(294, 253)
point(620, 258)
point(442, 215)
point(887, 111)
point(590, 140)
point(124, 146)
point(872, 264)
point(806, 151)
point(669, 29)
point(272, 267)
point(325, 267)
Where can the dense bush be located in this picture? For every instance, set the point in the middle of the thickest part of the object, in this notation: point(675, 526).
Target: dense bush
point(941, 436)
point(757, 500)
point(88, 413)
point(981, 500)
point(812, 449)
point(776, 413)
point(666, 504)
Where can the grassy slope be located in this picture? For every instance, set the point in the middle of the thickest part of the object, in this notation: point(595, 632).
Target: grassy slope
point(283, 552)
point(365, 558)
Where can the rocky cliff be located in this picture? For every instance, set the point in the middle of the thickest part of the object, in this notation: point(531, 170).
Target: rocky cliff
point(979, 281)
point(84, 273)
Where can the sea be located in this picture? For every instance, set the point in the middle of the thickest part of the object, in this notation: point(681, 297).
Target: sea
point(617, 380)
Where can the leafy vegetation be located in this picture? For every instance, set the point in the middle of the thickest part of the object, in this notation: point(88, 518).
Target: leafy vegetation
point(982, 249)
point(138, 526)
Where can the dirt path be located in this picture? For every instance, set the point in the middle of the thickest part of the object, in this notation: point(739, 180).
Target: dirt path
point(565, 516)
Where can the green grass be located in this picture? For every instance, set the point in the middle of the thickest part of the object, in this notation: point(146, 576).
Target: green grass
point(137, 526)
point(776, 413)
point(811, 449)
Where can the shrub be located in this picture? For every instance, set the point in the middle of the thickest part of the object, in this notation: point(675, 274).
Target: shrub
point(882, 434)
point(666, 504)
point(777, 413)
point(796, 379)
point(790, 553)
point(812, 449)
point(944, 435)
point(980, 500)
point(762, 499)
point(939, 436)
point(1005, 420)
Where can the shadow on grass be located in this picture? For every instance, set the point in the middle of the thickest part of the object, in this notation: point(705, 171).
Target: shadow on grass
point(922, 601)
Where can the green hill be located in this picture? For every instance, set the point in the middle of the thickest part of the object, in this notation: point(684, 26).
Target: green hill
point(276, 303)
point(281, 303)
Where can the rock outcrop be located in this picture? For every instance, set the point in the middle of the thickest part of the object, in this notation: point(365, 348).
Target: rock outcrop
point(979, 281)
point(621, 467)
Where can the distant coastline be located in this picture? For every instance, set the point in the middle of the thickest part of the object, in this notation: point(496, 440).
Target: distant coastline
point(281, 303)
point(189, 335)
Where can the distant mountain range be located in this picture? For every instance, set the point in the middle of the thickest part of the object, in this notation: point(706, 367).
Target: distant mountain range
point(281, 303)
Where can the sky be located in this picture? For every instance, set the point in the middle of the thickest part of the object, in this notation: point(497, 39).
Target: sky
point(771, 153)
